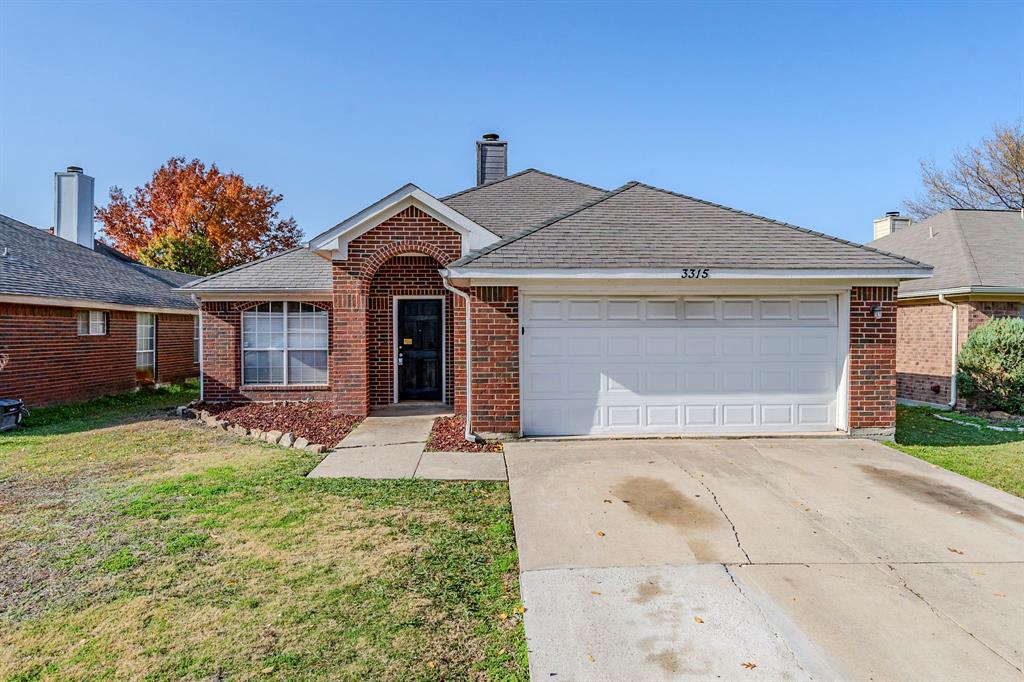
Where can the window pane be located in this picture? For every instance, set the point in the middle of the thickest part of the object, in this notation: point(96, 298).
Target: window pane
point(83, 322)
point(97, 322)
point(263, 367)
point(307, 367)
point(262, 329)
point(307, 327)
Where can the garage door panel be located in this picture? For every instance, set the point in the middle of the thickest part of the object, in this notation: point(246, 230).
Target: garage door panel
point(622, 365)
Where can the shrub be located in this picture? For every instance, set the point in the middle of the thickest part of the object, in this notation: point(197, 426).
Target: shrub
point(990, 369)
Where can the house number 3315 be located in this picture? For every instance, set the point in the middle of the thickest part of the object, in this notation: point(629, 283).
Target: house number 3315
point(696, 273)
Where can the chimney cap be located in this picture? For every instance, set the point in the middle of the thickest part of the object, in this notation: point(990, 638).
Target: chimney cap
point(490, 137)
point(892, 214)
point(74, 169)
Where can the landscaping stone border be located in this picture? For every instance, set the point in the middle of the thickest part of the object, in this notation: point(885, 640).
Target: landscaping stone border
point(284, 440)
point(1012, 429)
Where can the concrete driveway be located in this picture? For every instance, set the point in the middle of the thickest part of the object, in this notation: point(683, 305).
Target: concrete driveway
point(763, 559)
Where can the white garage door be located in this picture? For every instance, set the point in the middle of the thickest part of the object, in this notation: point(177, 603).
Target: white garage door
point(659, 365)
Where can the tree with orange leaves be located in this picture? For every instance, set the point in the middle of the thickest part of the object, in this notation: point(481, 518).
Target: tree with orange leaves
point(195, 219)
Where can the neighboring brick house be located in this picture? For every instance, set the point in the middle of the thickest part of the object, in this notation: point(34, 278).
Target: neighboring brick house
point(635, 310)
point(978, 256)
point(79, 319)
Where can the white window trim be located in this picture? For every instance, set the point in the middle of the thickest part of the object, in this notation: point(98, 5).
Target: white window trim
point(147, 352)
point(90, 317)
point(394, 343)
point(197, 344)
point(284, 370)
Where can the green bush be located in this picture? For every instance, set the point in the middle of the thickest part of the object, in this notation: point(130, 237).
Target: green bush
point(990, 369)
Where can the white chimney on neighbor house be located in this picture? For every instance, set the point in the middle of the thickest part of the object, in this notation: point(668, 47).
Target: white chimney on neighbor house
point(890, 223)
point(73, 206)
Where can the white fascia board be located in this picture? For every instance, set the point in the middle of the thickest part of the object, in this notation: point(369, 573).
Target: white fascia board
point(336, 239)
point(263, 294)
point(964, 291)
point(57, 302)
point(675, 274)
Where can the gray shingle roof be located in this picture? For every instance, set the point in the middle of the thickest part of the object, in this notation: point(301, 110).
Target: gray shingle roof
point(640, 226)
point(41, 264)
point(968, 248)
point(298, 268)
point(521, 200)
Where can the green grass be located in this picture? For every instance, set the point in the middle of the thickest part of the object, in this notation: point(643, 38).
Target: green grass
point(139, 546)
point(995, 458)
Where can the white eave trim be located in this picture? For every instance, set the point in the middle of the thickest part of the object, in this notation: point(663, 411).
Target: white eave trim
point(335, 240)
point(58, 302)
point(963, 291)
point(677, 273)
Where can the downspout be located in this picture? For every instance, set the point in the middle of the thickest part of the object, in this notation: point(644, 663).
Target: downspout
point(953, 353)
point(202, 393)
point(469, 357)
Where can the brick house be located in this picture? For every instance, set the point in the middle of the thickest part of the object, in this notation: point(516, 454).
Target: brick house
point(978, 256)
point(78, 319)
point(539, 305)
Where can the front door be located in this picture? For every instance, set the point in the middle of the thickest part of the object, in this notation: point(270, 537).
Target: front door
point(419, 349)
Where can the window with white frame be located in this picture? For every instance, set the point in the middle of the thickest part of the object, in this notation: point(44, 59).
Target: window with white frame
point(284, 343)
point(145, 344)
point(195, 341)
point(92, 323)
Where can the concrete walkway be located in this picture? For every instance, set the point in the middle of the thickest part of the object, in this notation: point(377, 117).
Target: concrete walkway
point(389, 445)
point(763, 559)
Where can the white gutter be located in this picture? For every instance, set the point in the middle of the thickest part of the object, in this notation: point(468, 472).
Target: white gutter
point(469, 358)
point(956, 333)
point(202, 383)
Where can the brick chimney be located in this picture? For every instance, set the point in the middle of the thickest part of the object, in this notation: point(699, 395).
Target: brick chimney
point(73, 206)
point(891, 222)
point(491, 159)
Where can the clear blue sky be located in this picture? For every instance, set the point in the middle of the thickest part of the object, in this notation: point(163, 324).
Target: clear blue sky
point(813, 113)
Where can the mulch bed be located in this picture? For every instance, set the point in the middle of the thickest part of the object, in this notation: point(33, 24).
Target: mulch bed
point(448, 435)
point(317, 422)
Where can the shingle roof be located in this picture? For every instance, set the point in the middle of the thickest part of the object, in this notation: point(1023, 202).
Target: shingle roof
point(968, 248)
point(521, 200)
point(640, 226)
point(41, 264)
point(298, 268)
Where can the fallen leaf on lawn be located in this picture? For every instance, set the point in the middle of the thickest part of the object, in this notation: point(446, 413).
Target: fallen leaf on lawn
point(954, 550)
point(748, 665)
point(431, 665)
point(698, 619)
point(521, 610)
point(267, 671)
point(600, 533)
point(502, 616)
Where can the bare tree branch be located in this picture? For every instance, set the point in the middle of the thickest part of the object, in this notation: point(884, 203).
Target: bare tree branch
point(990, 175)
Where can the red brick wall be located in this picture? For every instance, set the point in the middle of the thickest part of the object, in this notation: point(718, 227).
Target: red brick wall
point(222, 358)
point(175, 360)
point(872, 359)
point(495, 359)
point(922, 351)
point(922, 343)
point(401, 276)
point(47, 362)
point(357, 326)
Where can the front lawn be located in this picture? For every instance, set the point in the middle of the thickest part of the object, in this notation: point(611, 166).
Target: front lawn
point(136, 545)
point(992, 457)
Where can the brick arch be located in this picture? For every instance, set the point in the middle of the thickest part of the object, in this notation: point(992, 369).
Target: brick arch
point(373, 262)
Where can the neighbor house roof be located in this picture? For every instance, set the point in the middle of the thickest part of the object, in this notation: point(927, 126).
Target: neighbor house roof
point(295, 269)
point(971, 250)
point(508, 206)
point(640, 226)
point(35, 263)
